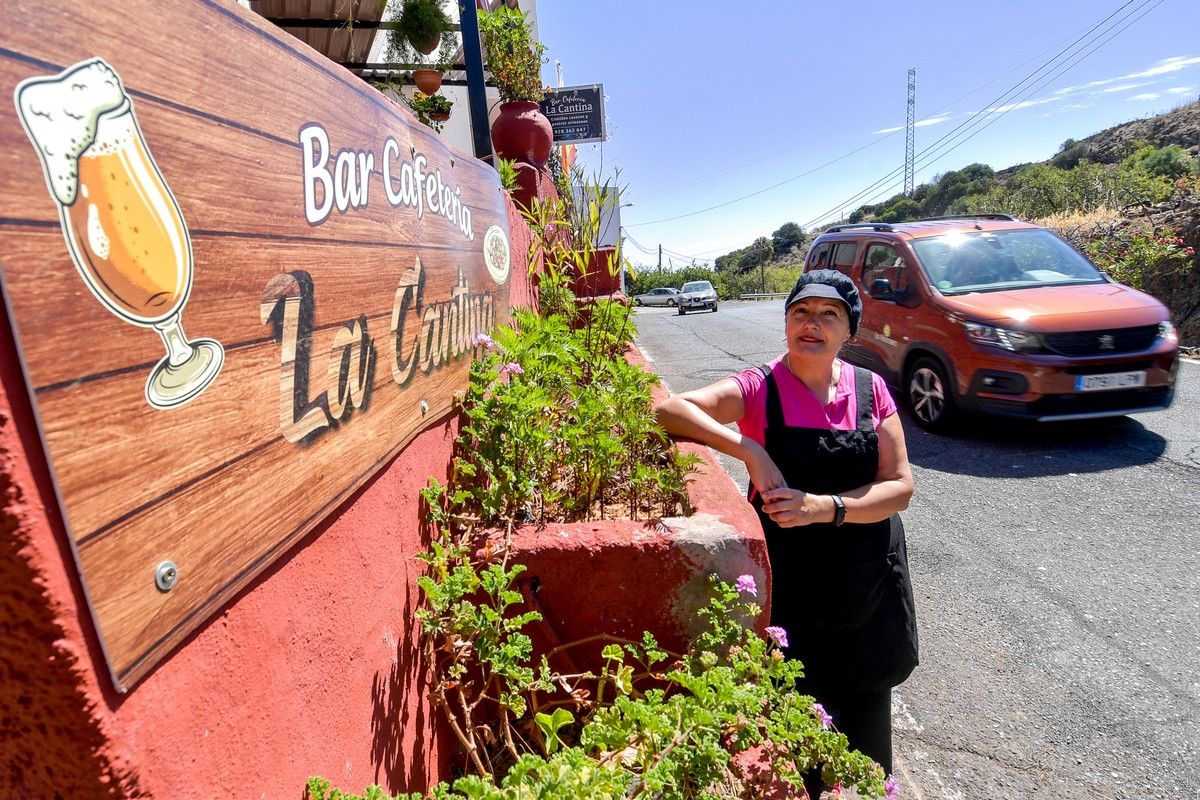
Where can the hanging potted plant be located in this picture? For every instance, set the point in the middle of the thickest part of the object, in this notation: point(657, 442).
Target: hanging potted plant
point(421, 24)
point(427, 69)
point(431, 109)
point(521, 132)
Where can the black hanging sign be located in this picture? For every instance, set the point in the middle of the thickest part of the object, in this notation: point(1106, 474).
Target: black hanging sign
point(576, 113)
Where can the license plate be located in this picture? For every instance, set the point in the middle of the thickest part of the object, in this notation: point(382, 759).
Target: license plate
point(1112, 380)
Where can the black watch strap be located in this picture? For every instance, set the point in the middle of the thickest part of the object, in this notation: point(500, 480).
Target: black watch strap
point(839, 510)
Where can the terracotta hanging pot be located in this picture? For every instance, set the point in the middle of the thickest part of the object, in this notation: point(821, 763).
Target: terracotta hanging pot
point(439, 116)
point(427, 80)
point(522, 132)
point(427, 46)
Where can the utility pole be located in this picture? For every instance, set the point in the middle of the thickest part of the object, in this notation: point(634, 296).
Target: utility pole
point(908, 132)
point(660, 258)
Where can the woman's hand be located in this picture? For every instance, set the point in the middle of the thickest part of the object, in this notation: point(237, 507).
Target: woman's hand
point(764, 474)
point(792, 508)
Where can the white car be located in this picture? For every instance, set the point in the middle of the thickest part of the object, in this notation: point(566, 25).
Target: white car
point(697, 294)
point(657, 297)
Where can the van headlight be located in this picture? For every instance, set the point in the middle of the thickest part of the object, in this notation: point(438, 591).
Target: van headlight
point(1014, 341)
point(1167, 331)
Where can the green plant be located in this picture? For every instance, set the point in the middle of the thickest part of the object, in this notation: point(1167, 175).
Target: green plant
point(1131, 258)
point(428, 107)
point(419, 24)
point(557, 426)
point(513, 57)
point(649, 724)
point(401, 51)
point(507, 168)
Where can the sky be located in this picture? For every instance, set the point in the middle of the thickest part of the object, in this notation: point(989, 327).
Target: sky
point(728, 119)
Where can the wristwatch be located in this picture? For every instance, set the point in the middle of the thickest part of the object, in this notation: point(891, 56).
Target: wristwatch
point(839, 510)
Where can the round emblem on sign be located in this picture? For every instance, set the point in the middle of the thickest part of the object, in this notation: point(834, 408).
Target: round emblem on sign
point(496, 253)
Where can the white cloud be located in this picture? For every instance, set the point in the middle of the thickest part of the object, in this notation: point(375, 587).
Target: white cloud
point(1164, 67)
point(1124, 87)
point(1022, 104)
point(1181, 90)
point(1167, 65)
point(1145, 96)
point(924, 123)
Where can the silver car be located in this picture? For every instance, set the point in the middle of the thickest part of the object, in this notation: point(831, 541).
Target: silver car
point(697, 294)
point(657, 297)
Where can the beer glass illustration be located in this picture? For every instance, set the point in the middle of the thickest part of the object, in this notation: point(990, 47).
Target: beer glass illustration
point(123, 227)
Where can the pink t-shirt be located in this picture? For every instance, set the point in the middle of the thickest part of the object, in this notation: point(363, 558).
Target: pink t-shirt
point(803, 409)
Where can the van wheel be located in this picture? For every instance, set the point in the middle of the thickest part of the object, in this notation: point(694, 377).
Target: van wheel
point(928, 393)
point(682, 311)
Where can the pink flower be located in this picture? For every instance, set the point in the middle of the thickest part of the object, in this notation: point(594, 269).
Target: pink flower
point(822, 715)
point(485, 340)
point(777, 635)
point(836, 790)
point(511, 368)
point(745, 583)
point(891, 788)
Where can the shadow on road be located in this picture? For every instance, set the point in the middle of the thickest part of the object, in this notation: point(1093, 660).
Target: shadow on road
point(999, 448)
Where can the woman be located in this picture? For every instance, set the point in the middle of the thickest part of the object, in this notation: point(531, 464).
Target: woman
point(829, 473)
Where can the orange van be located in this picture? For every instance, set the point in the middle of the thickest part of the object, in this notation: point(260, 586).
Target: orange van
point(992, 315)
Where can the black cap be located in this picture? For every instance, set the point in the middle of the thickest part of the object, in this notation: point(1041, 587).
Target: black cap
point(830, 284)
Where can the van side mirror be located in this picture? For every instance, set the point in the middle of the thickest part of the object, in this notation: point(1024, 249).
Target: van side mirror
point(881, 289)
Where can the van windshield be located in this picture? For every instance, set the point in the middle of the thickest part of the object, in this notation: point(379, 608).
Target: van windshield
point(990, 261)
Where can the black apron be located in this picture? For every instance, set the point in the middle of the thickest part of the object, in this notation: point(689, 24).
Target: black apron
point(842, 594)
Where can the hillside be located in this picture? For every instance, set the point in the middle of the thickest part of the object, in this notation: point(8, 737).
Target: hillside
point(1178, 127)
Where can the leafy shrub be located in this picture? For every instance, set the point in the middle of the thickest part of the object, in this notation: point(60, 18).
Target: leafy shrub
point(1132, 257)
point(558, 426)
point(649, 725)
point(512, 55)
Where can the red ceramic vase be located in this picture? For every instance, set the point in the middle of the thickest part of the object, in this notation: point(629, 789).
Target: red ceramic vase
point(522, 132)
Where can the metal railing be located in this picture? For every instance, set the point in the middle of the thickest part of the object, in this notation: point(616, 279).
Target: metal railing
point(763, 296)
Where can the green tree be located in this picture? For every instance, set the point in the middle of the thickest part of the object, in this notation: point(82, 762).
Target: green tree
point(946, 194)
point(900, 209)
point(788, 235)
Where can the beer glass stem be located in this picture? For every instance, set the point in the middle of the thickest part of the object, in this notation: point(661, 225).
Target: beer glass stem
point(178, 348)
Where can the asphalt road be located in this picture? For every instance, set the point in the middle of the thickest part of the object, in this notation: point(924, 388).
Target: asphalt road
point(1057, 577)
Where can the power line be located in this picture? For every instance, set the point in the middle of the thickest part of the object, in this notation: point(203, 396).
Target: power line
point(760, 191)
point(989, 109)
point(877, 141)
point(1013, 106)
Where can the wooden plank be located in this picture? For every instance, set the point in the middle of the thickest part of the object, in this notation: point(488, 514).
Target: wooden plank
point(337, 334)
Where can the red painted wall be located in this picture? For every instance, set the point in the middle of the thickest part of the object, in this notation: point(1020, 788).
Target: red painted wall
point(313, 669)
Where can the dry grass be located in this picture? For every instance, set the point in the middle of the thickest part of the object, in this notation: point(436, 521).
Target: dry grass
point(1101, 218)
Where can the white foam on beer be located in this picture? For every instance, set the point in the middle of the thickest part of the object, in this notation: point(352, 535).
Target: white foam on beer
point(60, 114)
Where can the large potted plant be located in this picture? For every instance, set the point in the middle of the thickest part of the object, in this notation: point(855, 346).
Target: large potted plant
point(521, 132)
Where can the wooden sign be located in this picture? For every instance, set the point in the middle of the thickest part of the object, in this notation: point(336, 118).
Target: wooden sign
point(241, 281)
